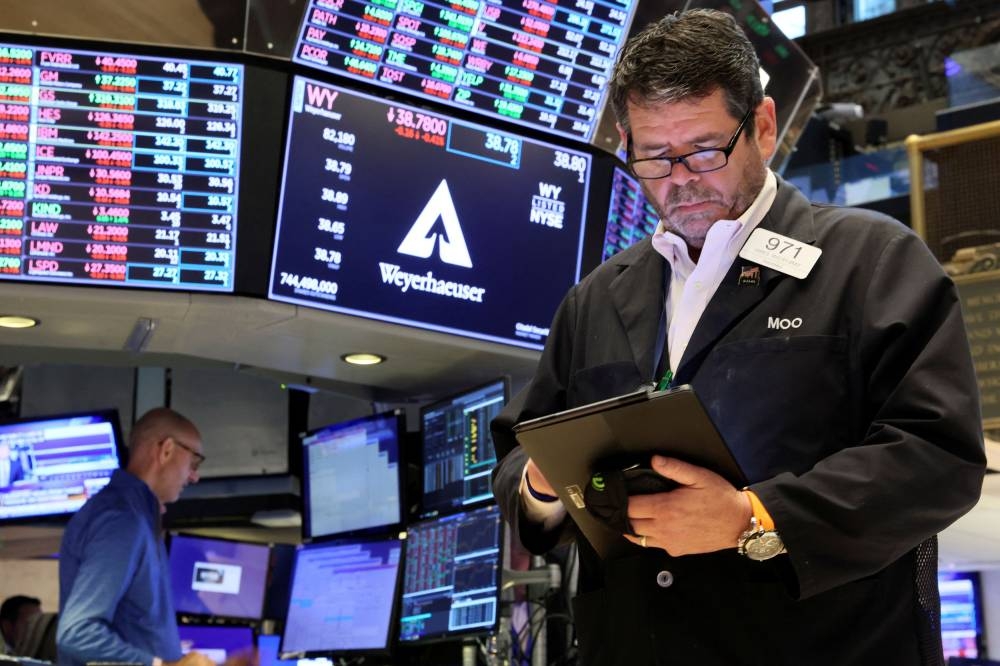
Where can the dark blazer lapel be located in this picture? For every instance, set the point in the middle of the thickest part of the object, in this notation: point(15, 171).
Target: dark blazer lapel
point(637, 294)
point(790, 216)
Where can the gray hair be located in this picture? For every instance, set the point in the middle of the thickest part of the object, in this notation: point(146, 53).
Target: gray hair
point(688, 56)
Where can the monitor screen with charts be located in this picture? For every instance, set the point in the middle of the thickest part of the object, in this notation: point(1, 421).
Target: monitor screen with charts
point(218, 577)
point(458, 453)
point(451, 584)
point(343, 598)
point(352, 476)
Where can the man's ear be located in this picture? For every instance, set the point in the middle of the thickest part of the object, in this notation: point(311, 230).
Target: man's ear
point(164, 450)
point(766, 128)
point(622, 136)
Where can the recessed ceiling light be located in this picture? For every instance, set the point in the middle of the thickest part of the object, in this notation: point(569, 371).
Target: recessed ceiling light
point(17, 321)
point(362, 358)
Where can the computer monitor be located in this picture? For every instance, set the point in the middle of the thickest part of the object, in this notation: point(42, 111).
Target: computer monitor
point(51, 465)
point(218, 577)
point(343, 598)
point(216, 642)
point(352, 475)
point(961, 614)
point(410, 216)
point(452, 576)
point(541, 64)
point(268, 646)
point(631, 217)
point(458, 455)
point(120, 167)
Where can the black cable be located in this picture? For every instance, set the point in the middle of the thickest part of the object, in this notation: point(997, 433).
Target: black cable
point(551, 616)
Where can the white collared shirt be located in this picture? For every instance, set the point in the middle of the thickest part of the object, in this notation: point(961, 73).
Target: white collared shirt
point(691, 288)
point(693, 285)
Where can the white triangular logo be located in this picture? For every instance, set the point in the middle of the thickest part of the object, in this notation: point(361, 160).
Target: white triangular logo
point(419, 241)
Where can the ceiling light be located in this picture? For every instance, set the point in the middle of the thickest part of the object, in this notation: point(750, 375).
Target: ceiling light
point(362, 358)
point(140, 335)
point(17, 321)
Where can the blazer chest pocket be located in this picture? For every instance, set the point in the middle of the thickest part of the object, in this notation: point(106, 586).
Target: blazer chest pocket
point(780, 403)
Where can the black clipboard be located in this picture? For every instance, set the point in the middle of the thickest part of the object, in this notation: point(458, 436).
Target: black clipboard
point(569, 446)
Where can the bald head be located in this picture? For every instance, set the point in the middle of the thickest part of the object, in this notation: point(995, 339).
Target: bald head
point(156, 425)
point(165, 452)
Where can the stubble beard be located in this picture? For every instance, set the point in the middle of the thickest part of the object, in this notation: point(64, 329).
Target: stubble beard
point(693, 227)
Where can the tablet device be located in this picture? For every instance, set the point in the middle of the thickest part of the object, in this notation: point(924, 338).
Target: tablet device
point(570, 446)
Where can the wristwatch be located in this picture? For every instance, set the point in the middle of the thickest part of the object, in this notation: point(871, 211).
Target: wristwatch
point(759, 544)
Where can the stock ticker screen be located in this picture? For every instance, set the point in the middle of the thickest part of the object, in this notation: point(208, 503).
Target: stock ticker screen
point(458, 454)
point(451, 576)
point(408, 216)
point(118, 169)
point(533, 62)
point(630, 215)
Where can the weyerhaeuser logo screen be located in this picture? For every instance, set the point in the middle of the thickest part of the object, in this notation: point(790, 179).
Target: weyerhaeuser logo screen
point(400, 214)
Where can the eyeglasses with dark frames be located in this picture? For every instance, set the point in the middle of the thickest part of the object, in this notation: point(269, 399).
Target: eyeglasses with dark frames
point(697, 161)
point(199, 458)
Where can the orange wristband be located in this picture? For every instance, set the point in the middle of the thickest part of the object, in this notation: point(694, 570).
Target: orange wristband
point(759, 512)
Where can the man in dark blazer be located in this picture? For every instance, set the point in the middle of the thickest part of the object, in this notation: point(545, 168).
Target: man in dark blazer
point(828, 346)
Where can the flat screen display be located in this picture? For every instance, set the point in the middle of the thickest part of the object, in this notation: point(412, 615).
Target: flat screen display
point(343, 598)
point(961, 614)
point(50, 466)
point(631, 218)
point(218, 577)
point(267, 651)
point(408, 216)
point(118, 169)
point(452, 574)
point(532, 62)
point(216, 642)
point(458, 453)
point(352, 475)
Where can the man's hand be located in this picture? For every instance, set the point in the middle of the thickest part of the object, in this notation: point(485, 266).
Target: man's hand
point(192, 658)
point(248, 657)
point(538, 480)
point(704, 514)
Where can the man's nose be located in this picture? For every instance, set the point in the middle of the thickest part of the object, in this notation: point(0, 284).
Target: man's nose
point(680, 175)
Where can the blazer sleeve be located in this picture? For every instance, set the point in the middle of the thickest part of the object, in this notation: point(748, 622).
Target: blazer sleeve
point(920, 463)
point(545, 394)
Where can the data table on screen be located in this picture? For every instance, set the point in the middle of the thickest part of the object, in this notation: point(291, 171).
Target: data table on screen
point(343, 596)
point(409, 216)
point(351, 475)
point(458, 454)
point(631, 217)
point(118, 169)
point(451, 576)
point(532, 62)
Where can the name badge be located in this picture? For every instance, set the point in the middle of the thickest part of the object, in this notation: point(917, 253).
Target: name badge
point(781, 253)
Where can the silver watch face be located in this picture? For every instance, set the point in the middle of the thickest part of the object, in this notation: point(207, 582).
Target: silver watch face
point(764, 546)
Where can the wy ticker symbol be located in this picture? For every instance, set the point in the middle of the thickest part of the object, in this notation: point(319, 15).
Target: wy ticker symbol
point(420, 242)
